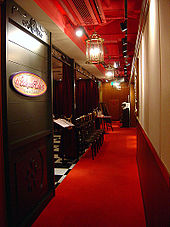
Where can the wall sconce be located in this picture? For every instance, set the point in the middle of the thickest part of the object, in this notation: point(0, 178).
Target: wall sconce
point(94, 49)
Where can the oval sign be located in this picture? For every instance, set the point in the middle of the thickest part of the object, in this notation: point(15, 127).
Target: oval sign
point(28, 84)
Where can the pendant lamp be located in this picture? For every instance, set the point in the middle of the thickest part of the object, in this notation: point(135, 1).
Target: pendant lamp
point(94, 49)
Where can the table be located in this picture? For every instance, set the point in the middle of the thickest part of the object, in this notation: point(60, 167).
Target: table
point(104, 120)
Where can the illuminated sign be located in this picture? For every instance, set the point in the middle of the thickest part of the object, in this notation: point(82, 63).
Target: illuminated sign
point(28, 84)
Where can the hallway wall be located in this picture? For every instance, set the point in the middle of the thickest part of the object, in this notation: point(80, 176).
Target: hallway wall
point(153, 154)
point(2, 184)
point(154, 79)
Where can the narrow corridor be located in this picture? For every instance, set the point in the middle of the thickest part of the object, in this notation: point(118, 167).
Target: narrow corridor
point(101, 192)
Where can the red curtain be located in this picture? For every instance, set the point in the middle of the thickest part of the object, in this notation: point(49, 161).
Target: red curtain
point(67, 97)
point(57, 100)
point(81, 99)
point(87, 96)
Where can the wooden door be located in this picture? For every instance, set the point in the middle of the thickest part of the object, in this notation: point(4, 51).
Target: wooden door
point(114, 109)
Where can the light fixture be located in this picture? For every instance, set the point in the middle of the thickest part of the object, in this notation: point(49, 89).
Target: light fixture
point(116, 84)
point(126, 63)
point(79, 31)
point(124, 41)
point(124, 54)
point(123, 26)
point(109, 71)
point(94, 49)
point(124, 48)
point(116, 65)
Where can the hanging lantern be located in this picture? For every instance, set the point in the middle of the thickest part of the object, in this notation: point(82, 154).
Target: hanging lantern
point(109, 71)
point(94, 49)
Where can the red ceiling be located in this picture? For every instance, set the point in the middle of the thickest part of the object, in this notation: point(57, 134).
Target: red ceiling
point(105, 16)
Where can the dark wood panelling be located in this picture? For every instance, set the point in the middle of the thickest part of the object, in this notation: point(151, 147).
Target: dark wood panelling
point(28, 127)
point(19, 37)
point(28, 173)
point(2, 171)
point(154, 183)
point(25, 57)
point(111, 96)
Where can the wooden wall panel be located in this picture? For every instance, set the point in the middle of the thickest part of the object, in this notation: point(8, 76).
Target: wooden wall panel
point(33, 112)
point(28, 173)
point(3, 221)
point(28, 126)
point(112, 96)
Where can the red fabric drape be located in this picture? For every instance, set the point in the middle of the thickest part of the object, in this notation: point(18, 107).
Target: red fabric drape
point(67, 97)
point(87, 96)
point(57, 100)
point(81, 100)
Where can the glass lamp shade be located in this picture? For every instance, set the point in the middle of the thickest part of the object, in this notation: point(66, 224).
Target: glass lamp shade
point(94, 49)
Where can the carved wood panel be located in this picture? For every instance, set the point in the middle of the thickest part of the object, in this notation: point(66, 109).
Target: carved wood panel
point(28, 177)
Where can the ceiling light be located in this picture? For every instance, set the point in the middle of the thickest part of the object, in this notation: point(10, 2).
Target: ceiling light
point(79, 32)
point(110, 71)
point(124, 49)
point(94, 49)
point(124, 41)
point(124, 54)
point(123, 26)
point(116, 84)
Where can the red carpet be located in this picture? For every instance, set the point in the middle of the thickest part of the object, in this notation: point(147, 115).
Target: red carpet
point(102, 192)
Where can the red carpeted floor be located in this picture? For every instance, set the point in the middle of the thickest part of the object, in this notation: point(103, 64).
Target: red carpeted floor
point(102, 192)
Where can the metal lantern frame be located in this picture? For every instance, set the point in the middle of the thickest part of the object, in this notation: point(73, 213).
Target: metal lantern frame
point(94, 49)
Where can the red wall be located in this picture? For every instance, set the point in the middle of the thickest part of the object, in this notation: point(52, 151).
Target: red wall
point(2, 184)
point(155, 183)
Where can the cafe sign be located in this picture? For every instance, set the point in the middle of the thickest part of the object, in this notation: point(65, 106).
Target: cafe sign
point(28, 84)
